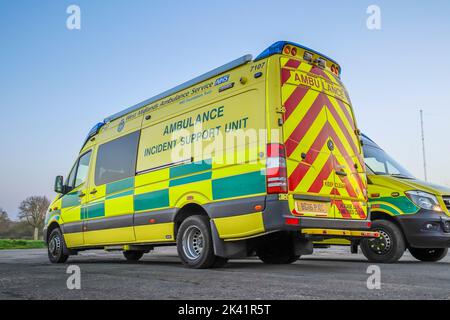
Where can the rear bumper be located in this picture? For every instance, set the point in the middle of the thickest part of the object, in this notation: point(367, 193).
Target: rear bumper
point(276, 212)
point(419, 235)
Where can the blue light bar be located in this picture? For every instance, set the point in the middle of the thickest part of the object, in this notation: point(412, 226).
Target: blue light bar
point(95, 129)
point(277, 48)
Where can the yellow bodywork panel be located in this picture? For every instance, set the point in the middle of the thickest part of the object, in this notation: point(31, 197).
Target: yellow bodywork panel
point(73, 239)
point(109, 236)
point(119, 206)
point(162, 232)
point(240, 226)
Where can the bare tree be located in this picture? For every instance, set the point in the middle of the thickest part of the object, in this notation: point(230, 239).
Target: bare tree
point(33, 211)
point(4, 221)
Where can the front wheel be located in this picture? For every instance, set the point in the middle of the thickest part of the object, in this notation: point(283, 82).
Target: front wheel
point(57, 247)
point(389, 247)
point(429, 255)
point(195, 245)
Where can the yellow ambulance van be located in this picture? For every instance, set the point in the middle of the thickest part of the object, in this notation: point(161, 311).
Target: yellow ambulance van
point(260, 156)
point(408, 213)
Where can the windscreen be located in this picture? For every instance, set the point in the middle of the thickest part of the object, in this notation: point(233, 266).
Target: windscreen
point(380, 163)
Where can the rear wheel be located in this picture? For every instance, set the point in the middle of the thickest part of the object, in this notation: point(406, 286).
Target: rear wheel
point(133, 255)
point(57, 247)
point(389, 247)
point(429, 255)
point(277, 249)
point(195, 245)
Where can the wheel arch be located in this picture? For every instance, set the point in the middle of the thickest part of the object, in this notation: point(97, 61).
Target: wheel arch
point(188, 210)
point(52, 226)
point(379, 215)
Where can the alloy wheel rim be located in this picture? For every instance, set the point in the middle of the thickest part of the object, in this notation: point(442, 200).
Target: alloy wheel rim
point(382, 244)
point(54, 246)
point(193, 243)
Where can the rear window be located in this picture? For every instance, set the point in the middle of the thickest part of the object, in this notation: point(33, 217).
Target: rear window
point(116, 160)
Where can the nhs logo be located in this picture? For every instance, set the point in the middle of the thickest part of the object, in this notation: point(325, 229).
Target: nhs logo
point(221, 80)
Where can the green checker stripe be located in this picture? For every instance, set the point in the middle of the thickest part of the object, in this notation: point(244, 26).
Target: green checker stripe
point(388, 209)
point(120, 195)
point(95, 210)
point(240, 185)
point(404, 205)
point(120, 186)
point(70, 200)
point(190, 168)
point(151, 200)
point(190, 179)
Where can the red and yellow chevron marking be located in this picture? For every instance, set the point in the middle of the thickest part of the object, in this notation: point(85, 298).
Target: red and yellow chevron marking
point(315, 114)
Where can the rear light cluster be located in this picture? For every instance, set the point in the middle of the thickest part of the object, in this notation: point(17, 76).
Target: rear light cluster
point(276, 172)
point(290, 50)
point(335, 69)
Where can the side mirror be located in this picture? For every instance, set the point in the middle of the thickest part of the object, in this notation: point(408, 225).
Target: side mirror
point(59, 184)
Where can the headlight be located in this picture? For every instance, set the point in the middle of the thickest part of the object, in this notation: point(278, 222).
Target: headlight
point(424, 200)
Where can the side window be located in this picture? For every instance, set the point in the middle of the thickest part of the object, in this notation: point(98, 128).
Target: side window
point(116, 160)
point(83, 169)
point(70, 182)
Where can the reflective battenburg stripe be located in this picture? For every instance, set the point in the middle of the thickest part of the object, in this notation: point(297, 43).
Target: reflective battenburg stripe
point(151, 200)
point(120, 186)
point(191, 179)
point(240, 185)
point(191, 168)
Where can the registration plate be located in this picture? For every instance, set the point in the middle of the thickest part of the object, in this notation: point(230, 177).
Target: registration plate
point(309, 207)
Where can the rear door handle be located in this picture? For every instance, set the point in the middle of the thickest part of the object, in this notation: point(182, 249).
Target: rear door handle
point(341, 173)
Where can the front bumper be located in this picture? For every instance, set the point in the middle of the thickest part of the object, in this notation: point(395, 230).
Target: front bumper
point(44, 233)
point(418, 232)
point(276, 212)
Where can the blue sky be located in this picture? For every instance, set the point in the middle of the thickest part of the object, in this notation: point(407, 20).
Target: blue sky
point(56, 83)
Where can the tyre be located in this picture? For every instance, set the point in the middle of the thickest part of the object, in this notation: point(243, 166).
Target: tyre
point(429, 255)
point(56, 247)
point(277, 249)
point(133, 255)
point(389, 247)
point(195, 245)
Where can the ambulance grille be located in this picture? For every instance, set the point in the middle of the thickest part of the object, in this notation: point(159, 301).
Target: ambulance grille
point(447, 201)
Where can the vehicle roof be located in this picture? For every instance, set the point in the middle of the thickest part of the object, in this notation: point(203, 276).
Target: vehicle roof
point(276, 48)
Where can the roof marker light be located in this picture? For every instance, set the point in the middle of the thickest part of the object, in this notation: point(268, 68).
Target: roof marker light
point(287, 50)
point(294, 51)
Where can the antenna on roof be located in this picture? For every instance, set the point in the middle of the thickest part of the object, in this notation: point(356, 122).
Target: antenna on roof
point(423, 146)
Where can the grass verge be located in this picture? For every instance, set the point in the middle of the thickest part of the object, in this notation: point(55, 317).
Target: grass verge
point(21, 244)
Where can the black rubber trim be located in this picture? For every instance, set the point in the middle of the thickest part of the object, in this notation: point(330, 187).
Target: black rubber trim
point(417, 237)
point(346, 224)
point(160, 216)
point(230, 208)
point(277, 211)
point(72, 227)
point(311, 198)
point(123, 221)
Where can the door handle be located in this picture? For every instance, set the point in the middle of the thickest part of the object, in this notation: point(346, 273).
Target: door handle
point(94, 191)
point(81, 194)
point(341, 173)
